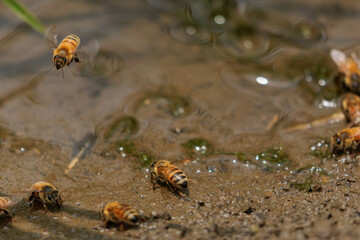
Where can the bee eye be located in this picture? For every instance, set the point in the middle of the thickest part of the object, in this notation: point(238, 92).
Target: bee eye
point(354, 77)
point(153, 164)
point(338, 141)
point(64, 59)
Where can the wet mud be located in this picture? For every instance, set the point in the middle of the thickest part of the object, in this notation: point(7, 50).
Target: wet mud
point(244, 90)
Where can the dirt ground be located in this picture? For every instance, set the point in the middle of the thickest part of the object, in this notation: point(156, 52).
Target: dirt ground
point(237, 87)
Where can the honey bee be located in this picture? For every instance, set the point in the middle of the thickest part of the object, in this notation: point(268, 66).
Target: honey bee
point(4, 203)
point(120, 215)
point(67, 51)
point(44, 193)
point(349, 67)
point(164, 172)
point(346, 140)
point(351, 108)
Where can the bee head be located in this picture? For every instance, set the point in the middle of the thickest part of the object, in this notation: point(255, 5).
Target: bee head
point(153, 169)
point(336, 142)
point(53, 197)
point(59, 61)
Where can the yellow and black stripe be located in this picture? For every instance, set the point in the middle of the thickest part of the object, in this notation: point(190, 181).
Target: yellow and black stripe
point(4, 203)
point(127, 212)
point(72, 40)
point(176, 177)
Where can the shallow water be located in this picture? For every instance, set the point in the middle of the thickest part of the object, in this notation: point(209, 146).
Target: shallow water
point(222, 83)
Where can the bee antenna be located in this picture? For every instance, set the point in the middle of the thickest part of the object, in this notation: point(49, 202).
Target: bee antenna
point(50, 68)
point(62, 70)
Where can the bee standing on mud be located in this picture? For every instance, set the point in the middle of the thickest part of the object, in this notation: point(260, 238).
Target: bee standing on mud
point(120, 215)
point(347, 139)
point(351, 108)
point(45, 193)
point(164, 172)
point(349, 67)
point(5, 203)
point(67, 51)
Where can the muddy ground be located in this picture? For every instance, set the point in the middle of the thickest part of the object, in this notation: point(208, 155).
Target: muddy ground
point(230, 85)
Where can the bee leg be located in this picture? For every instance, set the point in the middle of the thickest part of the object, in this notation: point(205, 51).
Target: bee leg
point(70, 61)
point(7, 213)
point(107, 224)
point(154, 183)
point(121, 227)
point(59, 203)
point(76, 58)
point(173, 188)
point(44, 205)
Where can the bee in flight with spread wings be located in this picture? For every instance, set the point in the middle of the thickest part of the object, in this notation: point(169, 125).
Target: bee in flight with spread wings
point(67, 51)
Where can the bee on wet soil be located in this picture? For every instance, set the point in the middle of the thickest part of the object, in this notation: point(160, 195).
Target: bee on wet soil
point(349, 68)
point(45, 193)
point(351, 108)
point(4, 204)
point(346, 140)
point(120, 215)
point(165, 173)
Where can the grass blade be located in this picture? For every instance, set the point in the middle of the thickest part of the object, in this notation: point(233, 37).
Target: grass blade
point(25, 15)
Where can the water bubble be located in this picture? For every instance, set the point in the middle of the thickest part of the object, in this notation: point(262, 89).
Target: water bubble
point(219, 19)
point(198, 146)
point(306, 32)
point(273, 158)
point(189, 33)
point(244, 43)
point(174, 105)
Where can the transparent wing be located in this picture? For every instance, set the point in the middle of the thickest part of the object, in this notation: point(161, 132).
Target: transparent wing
point(186, 161)
point(355, 58)
point(338, 56)
point(88, 51)
point(51, 36)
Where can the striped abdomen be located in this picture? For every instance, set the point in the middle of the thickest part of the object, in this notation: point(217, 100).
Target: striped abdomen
point(175, 177)
point(72, 41)
point(4, 202)
point(116, 213)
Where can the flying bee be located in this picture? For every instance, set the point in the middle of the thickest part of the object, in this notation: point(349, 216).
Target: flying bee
point(349, 67)
point(67, 51)
point(120, 215)
point(44, 193)
point(346, 140)
point(351, 108)
point(164, 172)
point(5, 203)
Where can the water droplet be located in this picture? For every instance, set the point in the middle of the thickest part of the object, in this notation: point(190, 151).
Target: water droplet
point(211, 169)
point(262, 80)
point(219, 19)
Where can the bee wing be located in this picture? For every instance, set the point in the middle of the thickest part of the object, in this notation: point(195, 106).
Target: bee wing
point(338, 56)
point(355, 58)
point(50, 178)
point(186, 161)
point(88, 51)
point(51, 36)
